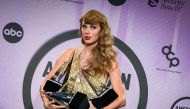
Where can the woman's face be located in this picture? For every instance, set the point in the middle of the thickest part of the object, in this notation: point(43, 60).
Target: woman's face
point(90, 33)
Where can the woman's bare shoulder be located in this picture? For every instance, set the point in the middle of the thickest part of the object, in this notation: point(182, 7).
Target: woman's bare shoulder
point(67, 53)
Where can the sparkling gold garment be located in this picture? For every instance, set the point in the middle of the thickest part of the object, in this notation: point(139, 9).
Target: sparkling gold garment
point(78, 83)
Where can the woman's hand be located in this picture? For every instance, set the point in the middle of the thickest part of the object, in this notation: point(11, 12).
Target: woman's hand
point(52, 105)
point(91, 105)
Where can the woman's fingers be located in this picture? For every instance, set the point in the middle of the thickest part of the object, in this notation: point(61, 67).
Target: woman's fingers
point(58, 106)
point(52, 101)
point(91, 105)
point(61, 106)
point(51, 105)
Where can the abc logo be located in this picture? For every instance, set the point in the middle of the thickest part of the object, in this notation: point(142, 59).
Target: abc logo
point(13, 32)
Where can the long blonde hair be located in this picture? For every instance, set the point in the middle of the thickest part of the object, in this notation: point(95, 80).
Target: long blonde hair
point(103, 53)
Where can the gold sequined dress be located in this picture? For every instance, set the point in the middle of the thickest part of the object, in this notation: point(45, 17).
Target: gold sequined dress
point(78, 81)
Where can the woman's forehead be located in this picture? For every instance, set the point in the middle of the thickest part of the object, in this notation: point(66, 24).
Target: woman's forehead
point(89, 23)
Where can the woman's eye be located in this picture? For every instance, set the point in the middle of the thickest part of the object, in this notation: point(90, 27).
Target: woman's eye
point(84, 26)
point(93, 27)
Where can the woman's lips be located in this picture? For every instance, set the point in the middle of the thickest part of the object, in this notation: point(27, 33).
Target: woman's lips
point(87, 37)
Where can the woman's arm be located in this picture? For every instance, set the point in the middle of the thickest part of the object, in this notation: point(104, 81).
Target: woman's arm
point(115, 78)
point(47, 103)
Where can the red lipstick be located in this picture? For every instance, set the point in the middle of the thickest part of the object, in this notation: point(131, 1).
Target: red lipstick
point(87, 37)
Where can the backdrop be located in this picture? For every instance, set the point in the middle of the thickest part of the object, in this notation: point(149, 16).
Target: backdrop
point(152, 37)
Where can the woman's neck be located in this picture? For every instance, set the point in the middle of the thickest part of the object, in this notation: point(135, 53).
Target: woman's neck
point(89, 48)
point(86, 54)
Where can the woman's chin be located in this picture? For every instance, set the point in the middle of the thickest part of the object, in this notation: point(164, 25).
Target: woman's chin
point(90, 43)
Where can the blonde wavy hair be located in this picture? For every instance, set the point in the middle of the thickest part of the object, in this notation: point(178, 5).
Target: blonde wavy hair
point(103, 53)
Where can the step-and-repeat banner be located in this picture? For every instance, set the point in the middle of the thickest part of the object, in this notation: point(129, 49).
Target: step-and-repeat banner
point(152, 37)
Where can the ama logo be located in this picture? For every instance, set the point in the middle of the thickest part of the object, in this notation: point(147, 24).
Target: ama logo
point(153, 3)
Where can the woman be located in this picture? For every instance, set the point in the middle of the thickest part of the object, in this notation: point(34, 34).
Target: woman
point(95, 62)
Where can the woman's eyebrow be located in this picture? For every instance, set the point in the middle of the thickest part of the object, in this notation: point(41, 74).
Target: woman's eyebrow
point(93, 24)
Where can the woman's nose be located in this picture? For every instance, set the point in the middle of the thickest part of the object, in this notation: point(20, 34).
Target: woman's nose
point(87, 30)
